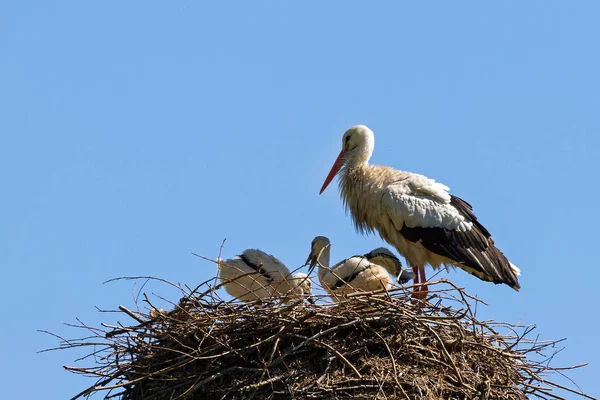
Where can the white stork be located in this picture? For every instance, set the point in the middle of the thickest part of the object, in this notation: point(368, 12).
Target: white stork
point(302, 285)
point(256, 275)
point(417, 215)
point(368, 272)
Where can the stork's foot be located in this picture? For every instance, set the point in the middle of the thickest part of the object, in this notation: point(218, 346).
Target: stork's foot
point(414, 298)
point(419, 295)
point(425, 291)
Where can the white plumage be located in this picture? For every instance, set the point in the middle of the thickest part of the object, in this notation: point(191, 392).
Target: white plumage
point(416, 214)
point(256, 275)
point(302, 285)
point(358, 273)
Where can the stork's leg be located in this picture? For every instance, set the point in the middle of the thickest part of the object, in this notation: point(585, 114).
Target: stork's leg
point(416, 272)
point(424, 288)
point(416, 288)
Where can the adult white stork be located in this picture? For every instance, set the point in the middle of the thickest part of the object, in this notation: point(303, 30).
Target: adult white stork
point(256, 275)
point(367, 273)
point(417, 215)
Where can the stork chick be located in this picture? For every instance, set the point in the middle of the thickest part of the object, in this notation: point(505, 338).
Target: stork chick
point(256, 275)
point(302, 286)
point(385, 258)
point(358, 273)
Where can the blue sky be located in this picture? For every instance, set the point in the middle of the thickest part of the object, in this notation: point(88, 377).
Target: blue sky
point(135, 133)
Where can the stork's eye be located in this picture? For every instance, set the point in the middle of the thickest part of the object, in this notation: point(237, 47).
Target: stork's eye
point(347, 139)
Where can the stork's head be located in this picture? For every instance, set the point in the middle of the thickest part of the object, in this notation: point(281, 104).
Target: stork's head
point(319, 252)
point(357, 146)
point(385, 258)
point(405, 276)
point(303, 286)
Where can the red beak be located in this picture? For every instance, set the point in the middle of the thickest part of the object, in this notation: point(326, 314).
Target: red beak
point(334, 170)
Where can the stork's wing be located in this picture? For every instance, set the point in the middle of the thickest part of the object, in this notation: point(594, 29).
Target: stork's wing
point(419, 205)
point(266, 264)
point(346, 271)
point(446, 225)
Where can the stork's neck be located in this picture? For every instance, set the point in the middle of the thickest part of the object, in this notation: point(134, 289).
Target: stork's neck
point(324, 261)
point(361, 188)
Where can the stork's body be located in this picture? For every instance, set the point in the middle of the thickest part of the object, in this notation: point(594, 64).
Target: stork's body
point(256, 275)
point(415, 214)
point(365, 273)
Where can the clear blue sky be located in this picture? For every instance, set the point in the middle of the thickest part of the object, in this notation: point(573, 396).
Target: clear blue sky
point(134, 133)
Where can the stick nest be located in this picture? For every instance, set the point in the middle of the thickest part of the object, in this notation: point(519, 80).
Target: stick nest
point(367, 346)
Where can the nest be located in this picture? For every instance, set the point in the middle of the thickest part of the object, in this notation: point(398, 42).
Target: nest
point(365, 347)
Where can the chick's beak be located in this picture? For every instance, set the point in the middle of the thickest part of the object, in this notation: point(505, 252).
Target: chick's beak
point(311, 261)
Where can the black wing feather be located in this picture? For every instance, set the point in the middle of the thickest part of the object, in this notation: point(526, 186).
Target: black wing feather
point(258, 268)
point(473, 249)
point(357, 271)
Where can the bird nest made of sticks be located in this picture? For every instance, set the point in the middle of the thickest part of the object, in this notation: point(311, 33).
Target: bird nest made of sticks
point(366, 346)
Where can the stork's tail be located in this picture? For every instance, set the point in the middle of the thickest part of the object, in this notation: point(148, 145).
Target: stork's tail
point(515, 269)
